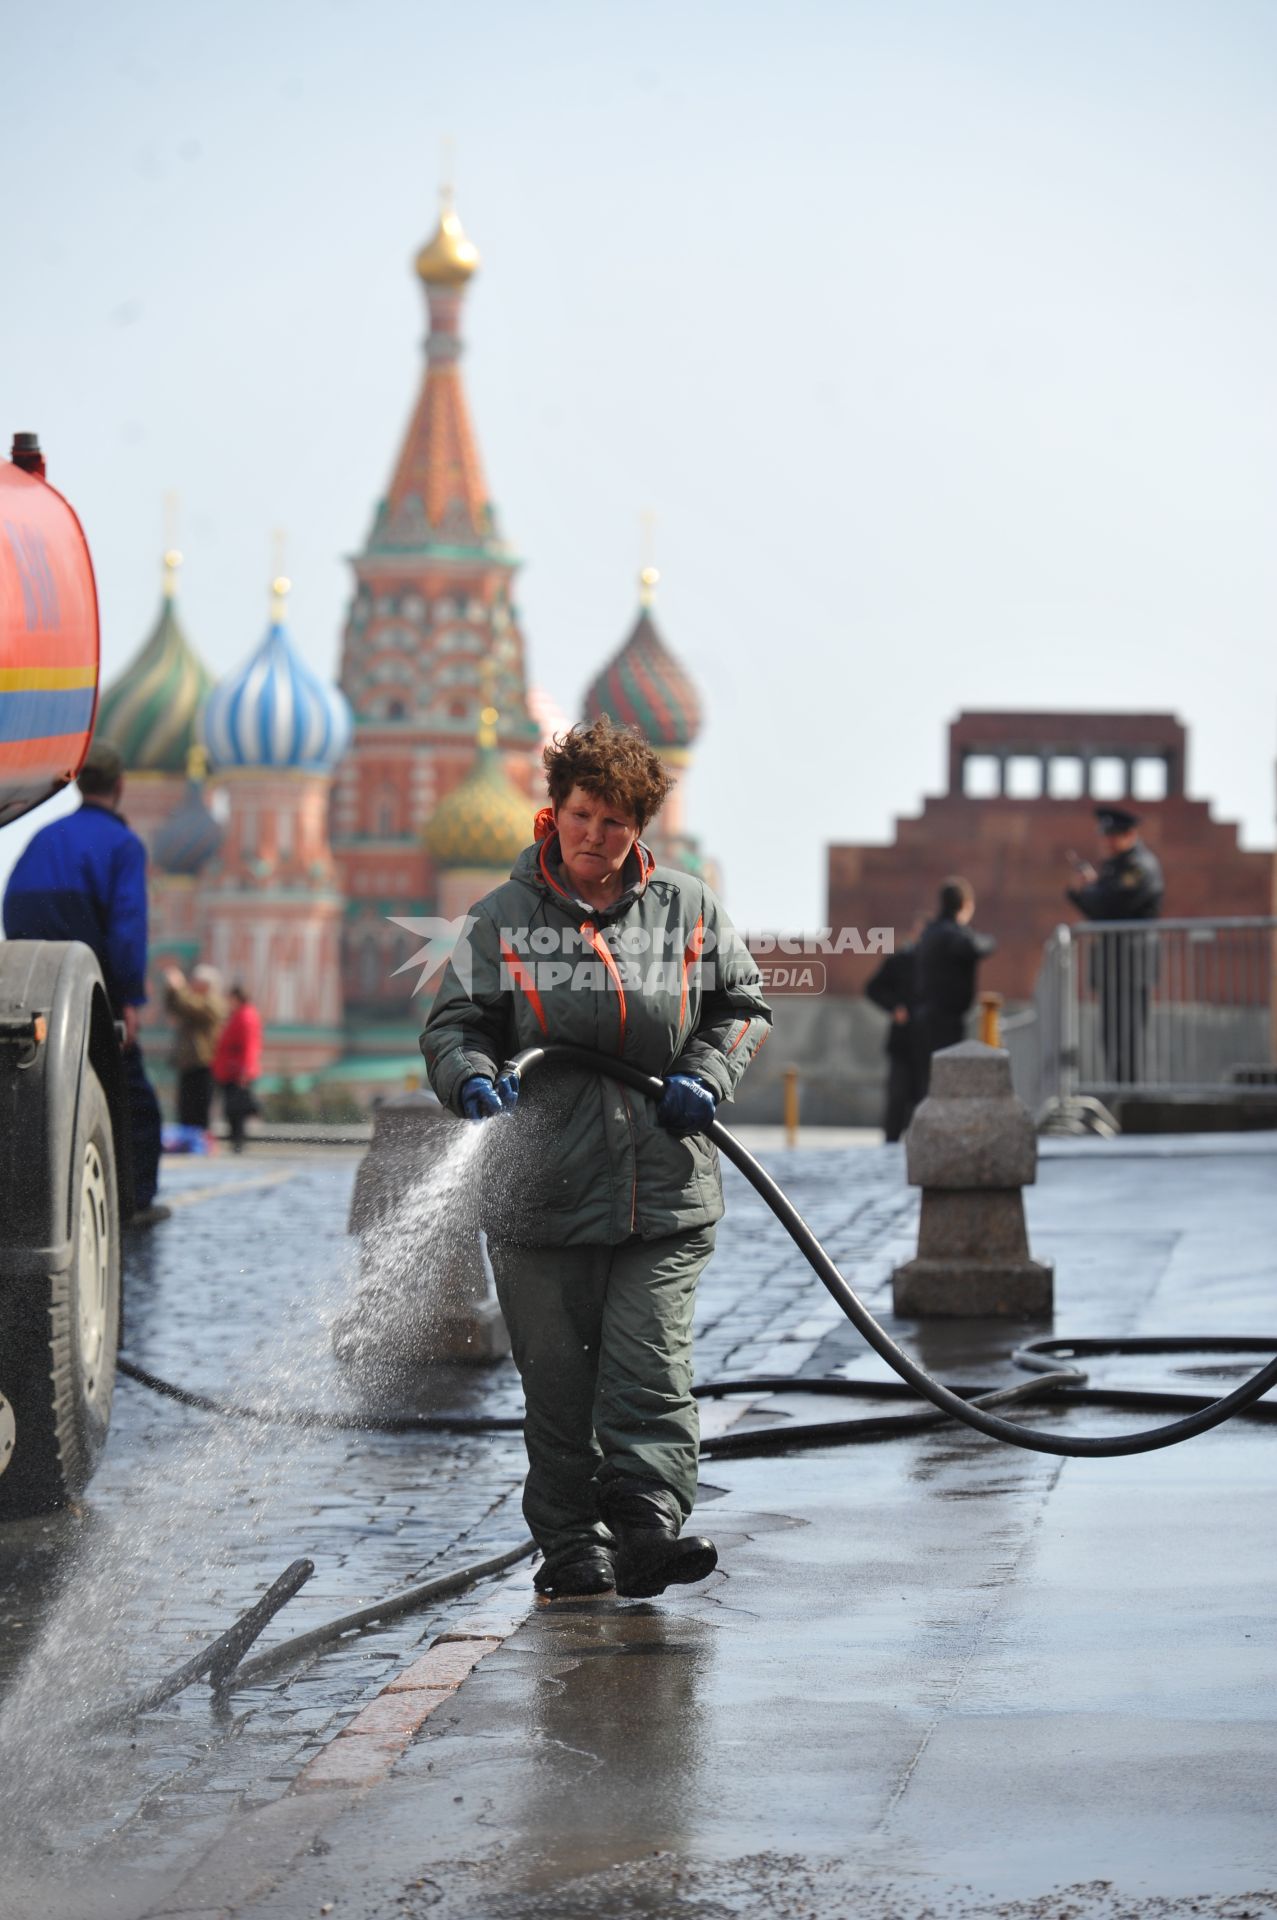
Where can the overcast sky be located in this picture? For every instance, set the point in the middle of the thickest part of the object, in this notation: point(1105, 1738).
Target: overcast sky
point(938, 337)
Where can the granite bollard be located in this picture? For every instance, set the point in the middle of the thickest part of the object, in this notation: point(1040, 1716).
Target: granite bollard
point(971, 1148)
point(463, 1318)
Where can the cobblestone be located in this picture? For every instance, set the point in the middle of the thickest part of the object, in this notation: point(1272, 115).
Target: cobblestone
point(190, 1517)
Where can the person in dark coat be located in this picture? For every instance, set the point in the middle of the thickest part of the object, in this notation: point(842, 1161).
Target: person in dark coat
point(893, 989)
point(945, 962)
point(84, 878)
point(1128, 886)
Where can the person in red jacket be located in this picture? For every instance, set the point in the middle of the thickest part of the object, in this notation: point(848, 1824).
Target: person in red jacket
point(237, 1063)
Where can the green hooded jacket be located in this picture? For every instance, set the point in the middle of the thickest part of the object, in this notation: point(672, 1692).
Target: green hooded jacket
point(661, 978)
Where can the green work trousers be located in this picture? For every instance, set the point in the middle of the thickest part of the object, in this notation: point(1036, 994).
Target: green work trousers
point(602, 1338)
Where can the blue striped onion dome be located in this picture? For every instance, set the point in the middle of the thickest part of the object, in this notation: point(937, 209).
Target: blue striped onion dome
point(189, 838)
point(276, 711)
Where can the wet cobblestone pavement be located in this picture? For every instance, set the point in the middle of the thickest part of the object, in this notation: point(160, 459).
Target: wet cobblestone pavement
point(191, 1516)
point(932, 1680)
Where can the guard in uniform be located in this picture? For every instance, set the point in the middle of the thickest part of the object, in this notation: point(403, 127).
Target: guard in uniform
point(1128, 886)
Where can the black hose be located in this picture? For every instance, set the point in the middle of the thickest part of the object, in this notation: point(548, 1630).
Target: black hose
point(1087, 1446)
point(334, 1422)
point(408, 1600)
point(1044, 1354)
point(221, 1657)
point(1066, 1385)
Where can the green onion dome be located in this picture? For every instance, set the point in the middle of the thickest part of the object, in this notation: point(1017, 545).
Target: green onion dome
point(148, 714)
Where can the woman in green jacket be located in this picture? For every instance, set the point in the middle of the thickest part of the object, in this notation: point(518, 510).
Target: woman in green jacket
point(600, 1206)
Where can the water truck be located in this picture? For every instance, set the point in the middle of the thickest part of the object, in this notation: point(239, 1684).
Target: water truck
point(64, 1169)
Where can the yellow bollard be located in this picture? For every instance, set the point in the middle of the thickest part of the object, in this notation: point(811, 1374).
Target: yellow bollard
point(791, 1106)
point(990, 1008)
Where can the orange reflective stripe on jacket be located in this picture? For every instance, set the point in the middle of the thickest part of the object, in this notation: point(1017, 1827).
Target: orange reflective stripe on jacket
point(740, 1036)
point(691, 955)
point(546, 874)
point(608, 958)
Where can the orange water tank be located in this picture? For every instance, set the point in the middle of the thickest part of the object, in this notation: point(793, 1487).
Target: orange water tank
point(48, 635)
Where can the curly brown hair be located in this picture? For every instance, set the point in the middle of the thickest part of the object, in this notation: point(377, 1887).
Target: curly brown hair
point(615, 763)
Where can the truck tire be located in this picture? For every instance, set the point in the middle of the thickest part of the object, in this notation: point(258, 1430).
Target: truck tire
point(59, 1332)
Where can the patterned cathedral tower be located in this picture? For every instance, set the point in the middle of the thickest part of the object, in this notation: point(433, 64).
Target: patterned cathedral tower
point(430, 625)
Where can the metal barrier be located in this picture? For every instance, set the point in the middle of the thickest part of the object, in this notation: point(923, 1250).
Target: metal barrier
point(1147, 1008)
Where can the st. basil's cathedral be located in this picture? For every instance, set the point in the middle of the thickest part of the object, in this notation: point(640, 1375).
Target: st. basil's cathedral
point(292, 825)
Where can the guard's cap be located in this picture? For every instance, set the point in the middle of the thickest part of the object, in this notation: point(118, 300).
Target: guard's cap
point(103, 768)
point(1116, 819)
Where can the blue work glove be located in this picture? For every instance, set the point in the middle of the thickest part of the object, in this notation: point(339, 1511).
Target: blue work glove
point(481, 1097)
point(687, 1105)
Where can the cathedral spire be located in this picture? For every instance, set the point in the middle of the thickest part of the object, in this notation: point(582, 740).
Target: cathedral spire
point(438, 495)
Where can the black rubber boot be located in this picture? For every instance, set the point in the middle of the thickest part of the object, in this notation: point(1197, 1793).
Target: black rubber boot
point(649, 1553)
point(578, 1573)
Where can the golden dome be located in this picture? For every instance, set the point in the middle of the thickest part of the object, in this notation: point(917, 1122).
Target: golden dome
point(448, 259)
point(486, 821)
